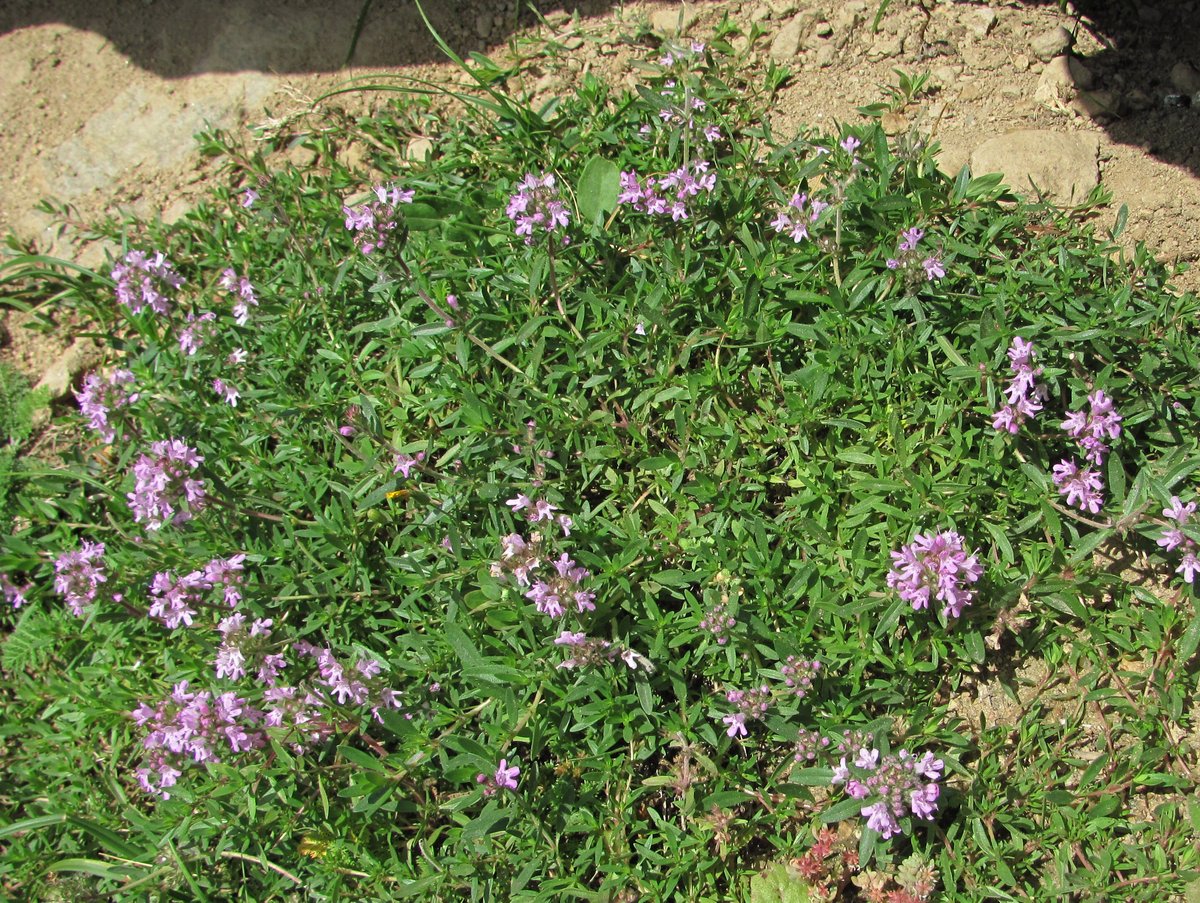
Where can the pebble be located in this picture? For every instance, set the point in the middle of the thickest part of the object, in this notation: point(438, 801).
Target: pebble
point(1185, 78)
point(1099, 105)
point(419, 149)
point(787, 42)
point(825, 55)
point(823, 29)
point(980, 22)
point(60, 376)
point(1050, 44)
point(483, 26)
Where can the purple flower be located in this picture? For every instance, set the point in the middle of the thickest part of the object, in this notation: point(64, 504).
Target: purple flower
point(933, 268)
point(850, 144)
point(1024, 394)
point(1083, 487)
point(895, 786)
point(13, 594)
point(78, 575)
point(537, 207)
point(249, 196)
point(1090, 429)
point(145, 282)
point(188, 727)
point(164, 490)
point(935, 566)
point(176, 600)
point(588, 652)
point(798, 675)
point(405, 463)
point(373, 222)
point(193, 336)
point(910, 237)
point(246, 297)
point(504, 778)
point(226, 391)
point(751, 705)
point(670, 194)
point(800, 213)
point(100, 398)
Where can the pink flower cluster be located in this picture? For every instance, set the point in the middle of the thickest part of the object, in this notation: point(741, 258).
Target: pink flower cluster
point(242, 645)
point(145, 282)
point(549, 594)
point(893, 785)
point(798, 675)
point(1024, 393)
point(907, 256)
point(13, 595)
point(165, 491)
point(100, 398)
point(750, 704)
point(78, 575)
point(373, 222)
point(798, 215)
point(193, 727)
point(196, 727)
point(1092, 427)
point(538, 207)
point(718, 621)
point(1174, 537)
point(504, 778)
point(521, 557)
point(177, 600)
point(360, 685)
point(197, 331)
point(588, 652)
point(1083, 486)
point(246, 297)
point(679, 189)
point(935, 566)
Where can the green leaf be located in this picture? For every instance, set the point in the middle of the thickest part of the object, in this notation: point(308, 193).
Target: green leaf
point(599, 185)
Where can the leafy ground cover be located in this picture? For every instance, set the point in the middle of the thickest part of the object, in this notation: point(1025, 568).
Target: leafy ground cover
point(620, 504)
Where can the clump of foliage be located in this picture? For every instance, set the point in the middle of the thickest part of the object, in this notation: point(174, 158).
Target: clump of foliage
point(608, 506)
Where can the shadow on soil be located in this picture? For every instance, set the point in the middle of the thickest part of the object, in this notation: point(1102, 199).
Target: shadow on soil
point(177, 38)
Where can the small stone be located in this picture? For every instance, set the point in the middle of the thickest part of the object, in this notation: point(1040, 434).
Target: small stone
point(1139, 100)
point(1099, 105)
point(1021, 62)
point(573, 43)
point(825, 56)
point(787, 42)
point(675, 19)
point(1081, 75)
point(59, 378)
point(893, 123)
point(885, 46)
point(823, 29)
point(1185, 78)
point(980, 22)
point(1050, 44)
point(760, 13)
point(1056, 85)
point(483, 26)
point(781, 9)
point(419, 149)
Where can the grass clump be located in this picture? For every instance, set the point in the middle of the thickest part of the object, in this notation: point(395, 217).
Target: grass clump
point(620, 504)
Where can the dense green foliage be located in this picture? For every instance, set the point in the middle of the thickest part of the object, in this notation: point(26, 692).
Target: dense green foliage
point(732, 420)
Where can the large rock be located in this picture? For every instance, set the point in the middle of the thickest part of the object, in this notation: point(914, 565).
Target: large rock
point(1061, 164)
point(787, 42)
